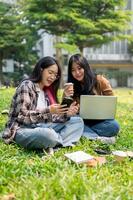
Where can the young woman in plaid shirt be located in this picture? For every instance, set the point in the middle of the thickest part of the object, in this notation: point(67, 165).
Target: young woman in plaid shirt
point(36, 119)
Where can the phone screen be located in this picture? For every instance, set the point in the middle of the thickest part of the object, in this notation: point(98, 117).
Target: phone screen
point(67, 101)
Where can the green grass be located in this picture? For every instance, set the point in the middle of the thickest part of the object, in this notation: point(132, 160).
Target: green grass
point(28, 175)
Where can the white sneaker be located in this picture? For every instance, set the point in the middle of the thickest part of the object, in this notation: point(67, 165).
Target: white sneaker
point(107, 140)
point(50, 151)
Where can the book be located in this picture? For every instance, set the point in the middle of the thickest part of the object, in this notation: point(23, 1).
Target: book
point(79, 157)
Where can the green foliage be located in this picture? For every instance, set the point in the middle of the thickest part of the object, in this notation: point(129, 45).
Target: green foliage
point(31, 175)
point(11, 31)
point(16, 38)
point(82, 23)
point(68, 47)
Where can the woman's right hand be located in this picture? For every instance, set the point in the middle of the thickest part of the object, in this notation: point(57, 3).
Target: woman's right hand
point(73, 110)
point(58, 109)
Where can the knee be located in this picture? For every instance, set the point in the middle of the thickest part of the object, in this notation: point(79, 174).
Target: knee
point(115, 128)
point(49, 137)
point(77, 120)
point(77, 123)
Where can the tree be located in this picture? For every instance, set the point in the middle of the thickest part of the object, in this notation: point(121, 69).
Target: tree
point(16, 39)
point(82, 23)
point(130, 48)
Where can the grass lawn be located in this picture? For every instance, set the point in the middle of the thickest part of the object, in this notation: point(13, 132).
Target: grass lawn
point(28, 175)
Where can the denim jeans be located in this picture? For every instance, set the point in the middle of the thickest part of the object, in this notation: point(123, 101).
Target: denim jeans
point(106, 128)
point(45, 135)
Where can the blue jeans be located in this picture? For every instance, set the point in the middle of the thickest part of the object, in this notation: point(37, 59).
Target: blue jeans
point(45, 135)
point(106, 128)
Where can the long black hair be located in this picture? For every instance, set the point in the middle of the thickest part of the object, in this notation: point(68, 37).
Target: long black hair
point(42, 64)
point(89, 81)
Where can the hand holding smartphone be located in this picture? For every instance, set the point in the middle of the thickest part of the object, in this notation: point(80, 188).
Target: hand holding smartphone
point(67, 101)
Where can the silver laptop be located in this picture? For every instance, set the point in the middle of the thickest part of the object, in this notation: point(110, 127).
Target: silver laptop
point(97, 107)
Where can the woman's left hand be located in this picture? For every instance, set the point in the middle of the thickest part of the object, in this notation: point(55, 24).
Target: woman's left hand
point(73, 109)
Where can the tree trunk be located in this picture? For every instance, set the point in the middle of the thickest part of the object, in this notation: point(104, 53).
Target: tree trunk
point(81, 50)
point(60, 59)
point(59, 52)
point(1, 72)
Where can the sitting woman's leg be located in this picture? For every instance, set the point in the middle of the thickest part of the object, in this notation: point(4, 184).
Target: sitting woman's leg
point(51, 134)
point(89, 133)
point(106, 128)
point(71, 131)
point(37, 138)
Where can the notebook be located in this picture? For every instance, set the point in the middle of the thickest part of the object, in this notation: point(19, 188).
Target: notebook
point(98, 107)
point(79, 157)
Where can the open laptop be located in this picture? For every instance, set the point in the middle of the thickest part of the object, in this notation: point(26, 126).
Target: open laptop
point(97, 107)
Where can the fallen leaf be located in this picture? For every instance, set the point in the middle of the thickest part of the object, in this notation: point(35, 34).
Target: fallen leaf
point(8, 197)
point(5, 112)
point(96, 161)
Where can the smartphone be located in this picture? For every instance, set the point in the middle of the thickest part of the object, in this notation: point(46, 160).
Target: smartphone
point(67, 101)
point(102, 151)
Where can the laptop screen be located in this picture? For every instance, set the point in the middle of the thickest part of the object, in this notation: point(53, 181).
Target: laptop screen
point(97, 107)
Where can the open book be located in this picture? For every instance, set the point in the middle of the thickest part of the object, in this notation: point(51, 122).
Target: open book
point(79, 157)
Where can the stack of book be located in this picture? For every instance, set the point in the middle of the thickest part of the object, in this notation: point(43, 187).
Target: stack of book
point(80, 157)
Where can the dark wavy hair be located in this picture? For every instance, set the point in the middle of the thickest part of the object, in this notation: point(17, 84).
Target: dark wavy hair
point(42, 64)
point(89, 80)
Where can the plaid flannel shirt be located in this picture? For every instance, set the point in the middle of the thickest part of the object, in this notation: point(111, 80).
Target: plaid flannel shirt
point(23, 110)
